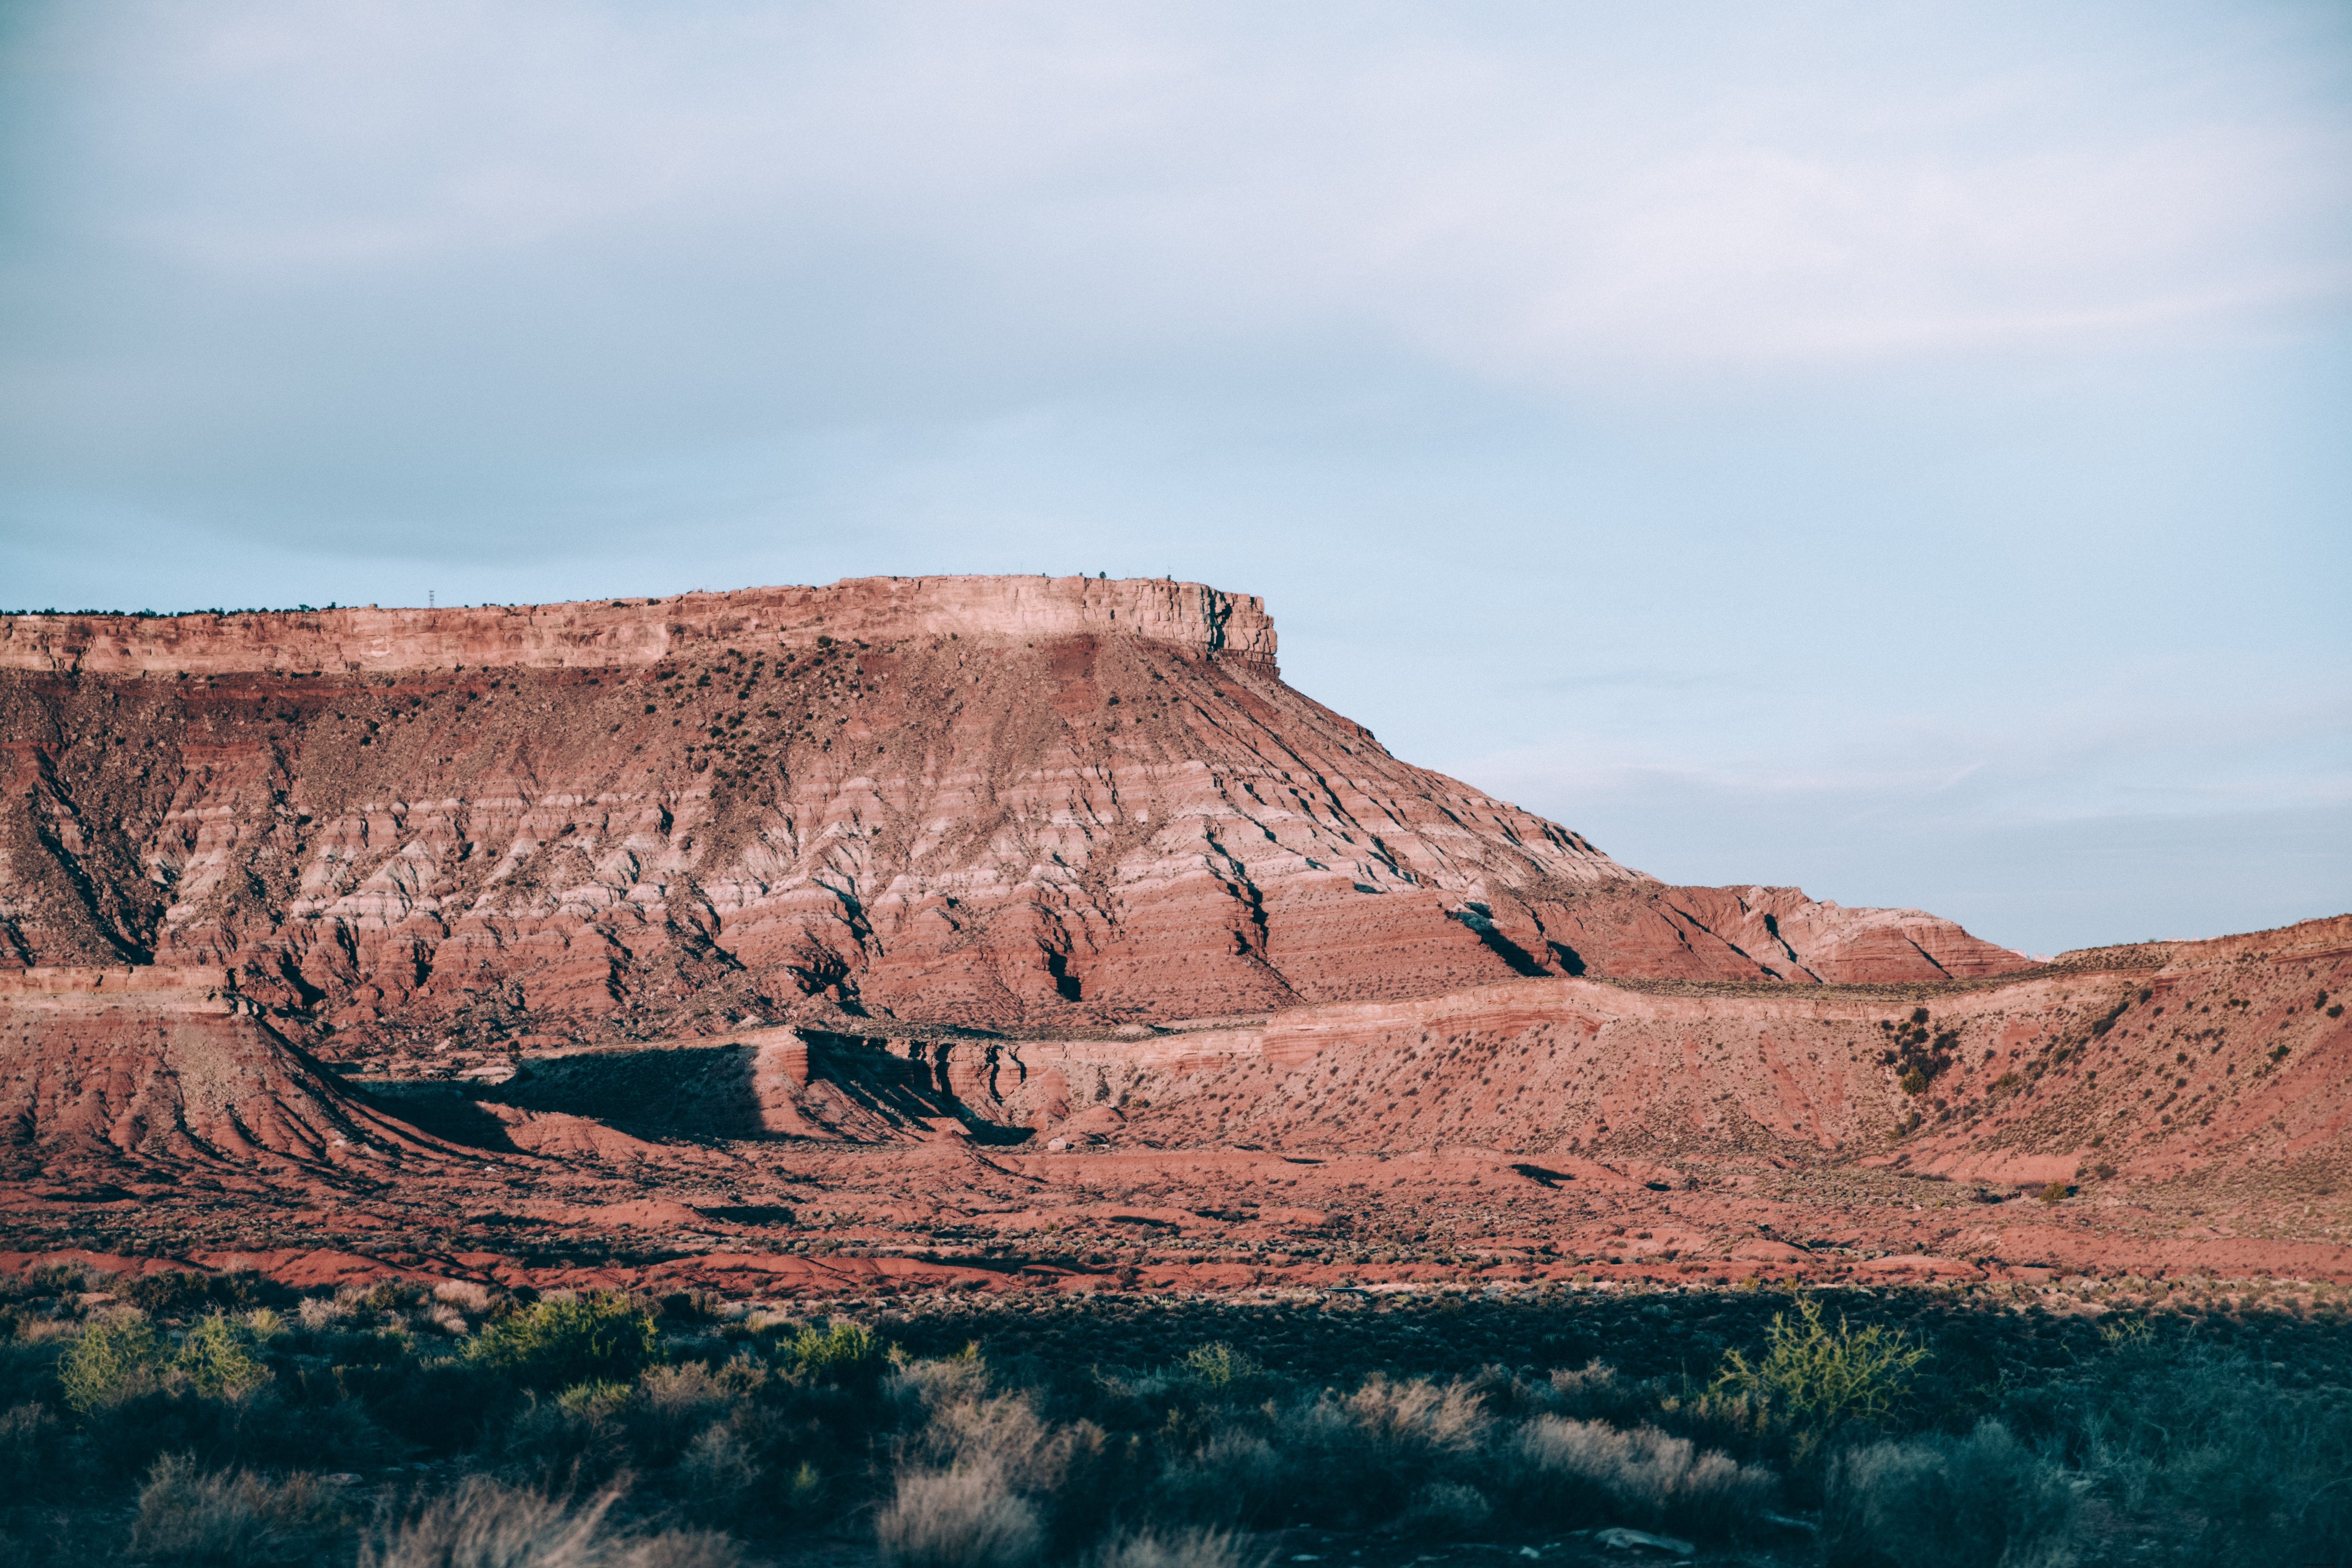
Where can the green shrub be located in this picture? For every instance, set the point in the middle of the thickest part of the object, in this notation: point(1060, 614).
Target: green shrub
point(557, 1343)
point(843, 1353)
point(1815, 1379)
point(115, 1358)
point(217, 1359)
point(1219, 1365)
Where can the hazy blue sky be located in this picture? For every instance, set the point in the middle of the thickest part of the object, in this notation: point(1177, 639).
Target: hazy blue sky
point(1901, 450)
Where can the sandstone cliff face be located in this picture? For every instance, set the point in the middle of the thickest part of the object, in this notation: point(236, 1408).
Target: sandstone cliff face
point(1006, 803)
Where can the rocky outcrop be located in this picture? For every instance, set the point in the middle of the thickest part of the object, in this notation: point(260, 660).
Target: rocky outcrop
point(632, 633)
point(1009, 804)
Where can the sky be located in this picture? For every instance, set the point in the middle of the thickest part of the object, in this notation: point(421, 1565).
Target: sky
point(1903, 451)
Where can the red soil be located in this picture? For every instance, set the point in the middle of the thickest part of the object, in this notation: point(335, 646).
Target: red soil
point(1028, 933)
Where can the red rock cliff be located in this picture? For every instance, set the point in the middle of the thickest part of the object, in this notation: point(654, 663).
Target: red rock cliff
point(999, 802)
point(627, 633)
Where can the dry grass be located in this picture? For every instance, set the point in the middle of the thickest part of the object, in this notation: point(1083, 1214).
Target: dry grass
point(1183, 1549)
point(482, 1524)
point(231, 1516)
point(1643, 1474)
point(959, 1518)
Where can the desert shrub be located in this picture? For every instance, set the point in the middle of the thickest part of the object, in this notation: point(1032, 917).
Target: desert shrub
point(481, 1524)
point(28, 1367)
point(1814, 1379)
point(1354, 1460)
point(1346, 1460)
point(31, 1441)
point(957, 1519)
point(675, 1404)
point(842, 1353)
point(317, 1315)
point(115, 1358)
point(2246, 1462)
point(1184, 1549)
point(1594, 1392)
point(717, 1472)
point(1234, 1478)
point(1444, 1510)
point(1575, 1471)
point(919, 1387)
point(557, 1343)
point(1218, 1366)
point(216, 1359)
point(392, 1296)
point(233, 1517)
point(1985, 1500)
point(1075, 1467)
point(443, 1406)
point(570, 1441)
point(464, 1295)
point(1416, 1417)
point(168, 1294)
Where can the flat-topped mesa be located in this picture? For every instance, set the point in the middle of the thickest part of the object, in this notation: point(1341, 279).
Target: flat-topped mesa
point(606, 634)
point(989, 802)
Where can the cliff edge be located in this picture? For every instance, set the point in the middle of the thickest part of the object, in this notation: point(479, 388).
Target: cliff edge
point(631, 632)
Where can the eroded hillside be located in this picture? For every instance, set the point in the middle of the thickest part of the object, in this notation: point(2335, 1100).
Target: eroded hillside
point(1001, 803)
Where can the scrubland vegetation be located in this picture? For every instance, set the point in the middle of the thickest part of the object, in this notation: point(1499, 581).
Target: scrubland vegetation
point(220, 1421)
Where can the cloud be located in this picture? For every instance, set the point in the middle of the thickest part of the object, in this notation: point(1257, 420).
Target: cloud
point(1516, 196)
point(1900, 416)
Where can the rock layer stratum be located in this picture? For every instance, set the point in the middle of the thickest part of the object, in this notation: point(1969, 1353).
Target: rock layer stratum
point(1001, 803)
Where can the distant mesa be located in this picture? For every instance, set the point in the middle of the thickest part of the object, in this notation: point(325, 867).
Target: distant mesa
point(1002, 801)
point(1005, 802)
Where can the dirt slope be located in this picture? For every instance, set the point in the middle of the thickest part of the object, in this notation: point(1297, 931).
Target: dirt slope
point(1543, 1129)
point(163, 1071)
point(1006, 803)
